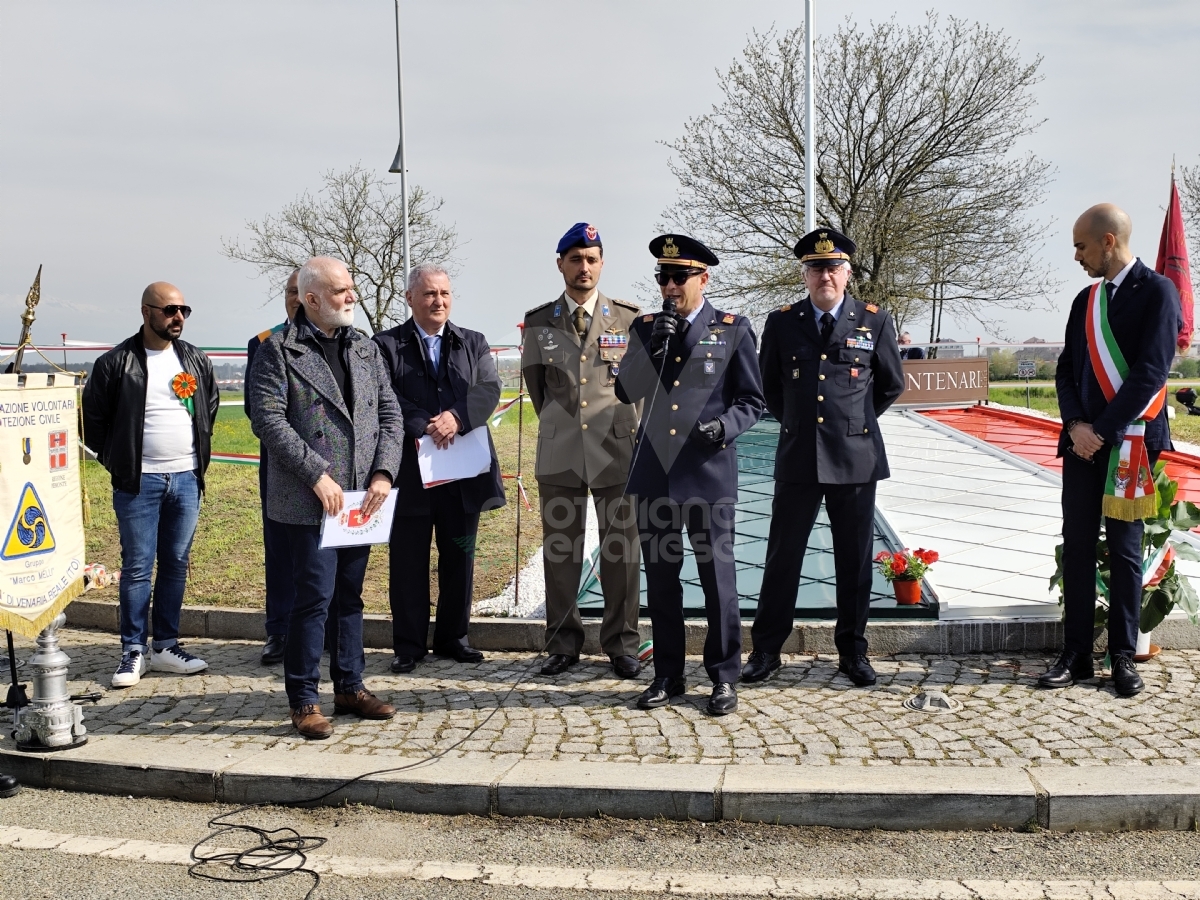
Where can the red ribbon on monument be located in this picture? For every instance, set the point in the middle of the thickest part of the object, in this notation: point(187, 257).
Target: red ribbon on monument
point(1173, 263)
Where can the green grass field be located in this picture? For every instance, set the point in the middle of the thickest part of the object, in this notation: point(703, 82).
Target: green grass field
point(1045, 399)
point(227, 554)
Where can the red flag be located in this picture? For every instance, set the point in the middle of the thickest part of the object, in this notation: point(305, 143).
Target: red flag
point(1173, 263)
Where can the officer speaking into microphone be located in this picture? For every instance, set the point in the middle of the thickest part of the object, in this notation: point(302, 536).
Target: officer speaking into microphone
point(830, 367)
point(695, 370)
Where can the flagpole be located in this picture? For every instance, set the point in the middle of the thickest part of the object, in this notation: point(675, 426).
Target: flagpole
point(399, 164)
point(810, 217)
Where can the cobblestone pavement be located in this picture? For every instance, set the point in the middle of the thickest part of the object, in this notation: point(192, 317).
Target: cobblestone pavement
point(806, 715)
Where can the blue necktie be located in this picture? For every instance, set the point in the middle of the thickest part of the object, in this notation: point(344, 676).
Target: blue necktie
point(433, 342)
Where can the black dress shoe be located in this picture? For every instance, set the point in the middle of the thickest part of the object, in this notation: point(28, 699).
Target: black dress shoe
point(1069, 668)
point(459, 653)
point(760, 666)
point(9, 786)
point(272, 653)
point(557, 663)
point(626, 666)
point(1125, 677)
point(857, 669)
point(660, 692)
point(723, 700)
point(402, 664)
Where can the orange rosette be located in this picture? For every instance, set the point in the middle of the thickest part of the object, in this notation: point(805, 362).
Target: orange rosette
point(183, 386)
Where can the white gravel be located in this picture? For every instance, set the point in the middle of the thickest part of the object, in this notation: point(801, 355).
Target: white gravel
point(532, 601)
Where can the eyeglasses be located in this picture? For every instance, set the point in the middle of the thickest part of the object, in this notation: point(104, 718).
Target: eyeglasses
point(171, 309)
point(680, 278)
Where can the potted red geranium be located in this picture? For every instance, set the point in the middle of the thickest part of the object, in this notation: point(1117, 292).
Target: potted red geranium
point(904, 571)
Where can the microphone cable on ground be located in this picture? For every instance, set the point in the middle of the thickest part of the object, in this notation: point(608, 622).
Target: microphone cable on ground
point(279, 852)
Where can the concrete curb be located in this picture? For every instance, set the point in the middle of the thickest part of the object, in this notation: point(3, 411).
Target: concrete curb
point(950, 798)
point(887, 638)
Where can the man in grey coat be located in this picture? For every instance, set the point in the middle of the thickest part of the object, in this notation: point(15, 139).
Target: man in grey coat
point(322, 404)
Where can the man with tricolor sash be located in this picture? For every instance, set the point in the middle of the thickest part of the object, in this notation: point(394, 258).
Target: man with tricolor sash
point(1111, 380)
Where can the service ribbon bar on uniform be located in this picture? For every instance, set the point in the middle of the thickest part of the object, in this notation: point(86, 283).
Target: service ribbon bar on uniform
point(1129, 492)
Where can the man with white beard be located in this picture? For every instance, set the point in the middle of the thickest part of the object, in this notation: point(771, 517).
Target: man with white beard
point(322, 404)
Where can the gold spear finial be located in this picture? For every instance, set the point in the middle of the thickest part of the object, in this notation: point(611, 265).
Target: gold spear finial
point(27, 317)
point(35, 291)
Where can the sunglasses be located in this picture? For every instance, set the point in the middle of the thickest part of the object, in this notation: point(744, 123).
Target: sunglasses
point(171, 310)
point(680, 278)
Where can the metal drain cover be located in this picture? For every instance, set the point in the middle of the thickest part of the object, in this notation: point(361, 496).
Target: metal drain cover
point(932, 701)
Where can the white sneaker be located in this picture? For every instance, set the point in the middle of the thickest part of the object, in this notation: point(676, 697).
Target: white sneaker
point(129, 673)
point(176, 660)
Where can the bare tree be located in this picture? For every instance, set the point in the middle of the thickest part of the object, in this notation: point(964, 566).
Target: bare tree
point(917, 163)
point(355, 217)
point(1189, 198)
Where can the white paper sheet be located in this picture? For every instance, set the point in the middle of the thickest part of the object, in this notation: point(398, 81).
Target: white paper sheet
point(468, 456)
point(350, 529)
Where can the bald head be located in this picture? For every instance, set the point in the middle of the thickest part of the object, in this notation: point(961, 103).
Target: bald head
point(1105, 218)
point(163, 312)
point(1101, 237)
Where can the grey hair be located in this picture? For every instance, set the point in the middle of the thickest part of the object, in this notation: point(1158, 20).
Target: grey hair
point(422, 270)
point(312, 273)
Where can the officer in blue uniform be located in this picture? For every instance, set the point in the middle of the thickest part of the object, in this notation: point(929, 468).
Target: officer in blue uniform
point(695, 370)
point(830, 367)
point(278, 556)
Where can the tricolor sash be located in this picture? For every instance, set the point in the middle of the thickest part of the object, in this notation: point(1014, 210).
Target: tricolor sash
point(1129, 493)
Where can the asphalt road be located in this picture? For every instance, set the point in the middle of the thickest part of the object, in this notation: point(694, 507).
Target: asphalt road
point(595, 843)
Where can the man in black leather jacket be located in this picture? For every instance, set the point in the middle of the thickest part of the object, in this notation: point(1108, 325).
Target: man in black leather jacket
point(148, 412)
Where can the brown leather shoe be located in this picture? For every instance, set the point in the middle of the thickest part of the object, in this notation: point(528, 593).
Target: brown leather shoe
point(310, 723)
point(364, 704)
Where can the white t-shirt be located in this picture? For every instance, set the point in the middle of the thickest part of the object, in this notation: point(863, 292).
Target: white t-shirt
point(167, 444)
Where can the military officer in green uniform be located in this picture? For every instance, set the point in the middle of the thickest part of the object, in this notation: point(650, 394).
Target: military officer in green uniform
point(572, 354)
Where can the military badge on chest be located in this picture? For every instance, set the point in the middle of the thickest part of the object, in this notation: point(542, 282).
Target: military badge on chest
point(613, 345)
point(861, 340)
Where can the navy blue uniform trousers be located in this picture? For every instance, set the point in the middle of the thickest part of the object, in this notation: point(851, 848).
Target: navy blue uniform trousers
point(277, 549)
point(851, 511)
point(661, 523)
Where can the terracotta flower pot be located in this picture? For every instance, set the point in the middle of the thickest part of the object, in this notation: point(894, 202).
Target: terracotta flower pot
point(908, 591)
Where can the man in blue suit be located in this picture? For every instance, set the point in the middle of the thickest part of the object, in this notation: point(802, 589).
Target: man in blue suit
point(830, 367)
point(281, 594)
point(1143, 320)
point(695, 370)
point(446, 381)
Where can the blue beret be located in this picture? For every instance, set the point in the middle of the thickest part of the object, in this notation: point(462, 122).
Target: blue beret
point(581, 235)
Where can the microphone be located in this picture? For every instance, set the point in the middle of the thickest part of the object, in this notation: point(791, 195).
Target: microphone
point(668, 307)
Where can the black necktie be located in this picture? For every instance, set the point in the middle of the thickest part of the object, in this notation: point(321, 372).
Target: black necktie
point(1109, 290)
point(826, 327)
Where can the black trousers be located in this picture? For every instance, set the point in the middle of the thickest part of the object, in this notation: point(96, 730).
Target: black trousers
point(710, 532)
point(408, 573)
point(277, 550)
point(851, 510)
point(1083, 490)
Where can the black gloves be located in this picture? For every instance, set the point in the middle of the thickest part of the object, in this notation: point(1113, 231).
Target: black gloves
point(664, 327)
point(710, 432)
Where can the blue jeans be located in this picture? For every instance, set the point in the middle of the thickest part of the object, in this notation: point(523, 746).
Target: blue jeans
point(160, 521)
point(328, 611)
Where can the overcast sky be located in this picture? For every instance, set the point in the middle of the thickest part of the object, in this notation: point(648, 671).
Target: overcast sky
point(134, 136)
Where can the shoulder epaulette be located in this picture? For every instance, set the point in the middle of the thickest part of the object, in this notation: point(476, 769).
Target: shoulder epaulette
point(530, 312)
point(728, 318)
point(649, 317)
point(626, 304)
point(785, 307)
point(871, 307)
